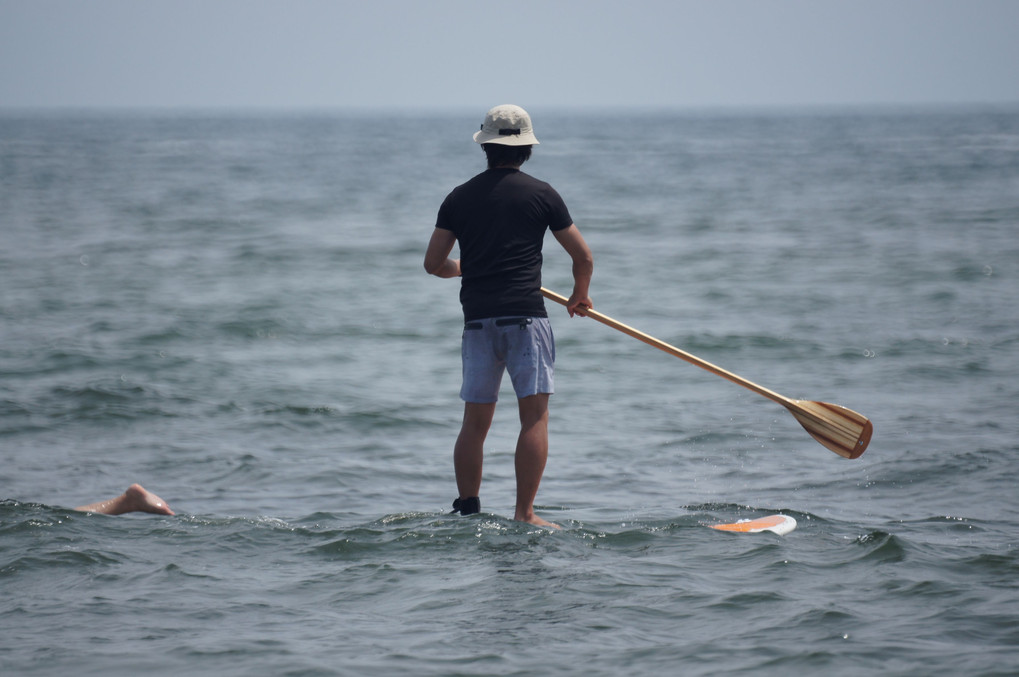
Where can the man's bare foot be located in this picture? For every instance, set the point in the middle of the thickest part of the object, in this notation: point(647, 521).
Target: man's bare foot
point(536, 521)
point(136, 499)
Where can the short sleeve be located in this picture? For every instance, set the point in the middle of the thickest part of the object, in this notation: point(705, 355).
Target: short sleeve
point(559, 216)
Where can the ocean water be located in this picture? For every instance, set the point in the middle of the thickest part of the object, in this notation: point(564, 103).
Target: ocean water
point(230, 309)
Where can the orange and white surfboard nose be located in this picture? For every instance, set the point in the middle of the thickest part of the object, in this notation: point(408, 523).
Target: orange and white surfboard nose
point(779, 524)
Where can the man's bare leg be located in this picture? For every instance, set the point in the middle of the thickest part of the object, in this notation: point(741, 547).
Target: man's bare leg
point(136, 499)
point(469, 452)
point(531, 456)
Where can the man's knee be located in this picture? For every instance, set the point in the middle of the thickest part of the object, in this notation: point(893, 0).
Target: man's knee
point(478, 418)
point(533, 408)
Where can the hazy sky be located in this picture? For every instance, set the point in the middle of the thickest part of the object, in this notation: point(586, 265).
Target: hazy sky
point(455, 53)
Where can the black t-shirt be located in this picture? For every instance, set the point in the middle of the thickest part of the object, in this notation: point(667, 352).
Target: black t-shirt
point(499, 218)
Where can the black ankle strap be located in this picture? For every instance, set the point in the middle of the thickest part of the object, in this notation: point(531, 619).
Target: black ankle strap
point(467, 506)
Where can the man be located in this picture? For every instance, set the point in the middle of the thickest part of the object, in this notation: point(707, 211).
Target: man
point(499, 219)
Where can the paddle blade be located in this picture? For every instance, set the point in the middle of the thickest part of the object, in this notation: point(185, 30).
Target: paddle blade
point(842, 430)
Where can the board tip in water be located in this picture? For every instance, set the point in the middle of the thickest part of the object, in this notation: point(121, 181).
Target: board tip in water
point(778, 524)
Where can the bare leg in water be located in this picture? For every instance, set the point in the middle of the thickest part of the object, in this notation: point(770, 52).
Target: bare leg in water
point(531, 456)
point(136, 499)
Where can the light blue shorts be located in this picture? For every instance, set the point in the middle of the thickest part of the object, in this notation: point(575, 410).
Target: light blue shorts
point(522, 346)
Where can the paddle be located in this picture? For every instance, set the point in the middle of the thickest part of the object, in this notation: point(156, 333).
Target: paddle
point(841, 430)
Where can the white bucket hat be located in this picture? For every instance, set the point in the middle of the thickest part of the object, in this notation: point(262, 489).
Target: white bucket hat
point(509, 125)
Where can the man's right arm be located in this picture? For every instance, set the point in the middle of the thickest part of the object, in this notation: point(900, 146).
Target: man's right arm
point(583, 267)
point(437, 261)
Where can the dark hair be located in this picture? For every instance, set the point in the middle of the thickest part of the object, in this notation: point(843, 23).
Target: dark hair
point(501, 155)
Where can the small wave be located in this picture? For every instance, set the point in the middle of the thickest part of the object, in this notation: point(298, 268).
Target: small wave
point(1002, 566)
point(357, 418)
point(110, 399)
point(881, 546)
point(747, 601)
point(174, 570)
point(58, 559)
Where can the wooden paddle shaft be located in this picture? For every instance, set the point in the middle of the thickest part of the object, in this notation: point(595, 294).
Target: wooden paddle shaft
point(673, 350)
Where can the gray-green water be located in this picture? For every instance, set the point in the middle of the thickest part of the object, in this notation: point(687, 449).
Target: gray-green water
point(231, 310)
